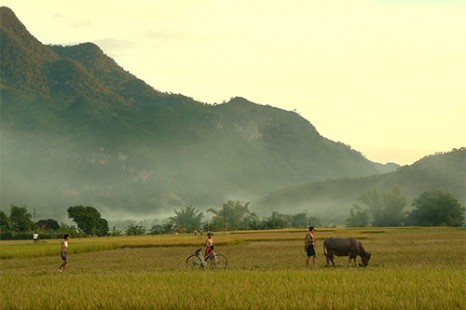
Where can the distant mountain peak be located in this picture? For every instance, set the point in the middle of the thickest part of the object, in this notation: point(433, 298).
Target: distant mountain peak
point(86, 50)
point(12, 27)
point(22, 56)
point(91, 56)
point(28, 66)
point(9, 19)
point(239, 100)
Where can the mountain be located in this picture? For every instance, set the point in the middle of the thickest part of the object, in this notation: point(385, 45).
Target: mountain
point(331, 200)
point(77, 129)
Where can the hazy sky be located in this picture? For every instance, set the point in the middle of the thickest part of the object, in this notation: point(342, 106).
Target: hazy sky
point(386, 77)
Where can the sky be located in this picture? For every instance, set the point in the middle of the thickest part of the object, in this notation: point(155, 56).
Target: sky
point(386, 77)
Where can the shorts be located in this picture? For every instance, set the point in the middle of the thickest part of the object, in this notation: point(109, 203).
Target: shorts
point(311, 251)
point(208, 253)
point(64, 257)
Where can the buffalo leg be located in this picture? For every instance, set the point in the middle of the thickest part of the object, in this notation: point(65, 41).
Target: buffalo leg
point(330, 258)
point(355, 262)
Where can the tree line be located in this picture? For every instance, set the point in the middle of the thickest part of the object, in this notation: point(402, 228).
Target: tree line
point(233, 215)
point(20, 225)
point(432, 208)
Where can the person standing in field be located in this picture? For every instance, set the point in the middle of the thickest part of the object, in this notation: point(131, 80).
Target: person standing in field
point(64, 252)
point(209, 244)
point(309, 243)
point(35, 237)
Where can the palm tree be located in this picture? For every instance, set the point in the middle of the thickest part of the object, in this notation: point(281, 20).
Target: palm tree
point(189, 217)
point(231, 215)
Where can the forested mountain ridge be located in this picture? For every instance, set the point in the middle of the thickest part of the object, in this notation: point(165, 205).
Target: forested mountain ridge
point(332, 199)
point(77, 129)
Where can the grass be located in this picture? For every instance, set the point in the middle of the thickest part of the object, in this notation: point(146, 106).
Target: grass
point(410, 269)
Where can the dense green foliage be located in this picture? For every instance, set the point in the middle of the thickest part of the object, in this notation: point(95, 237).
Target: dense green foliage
point(20, 220)
point(432, 208)
point(135, 230)
point(359, 217)
point(234, 215)
point(4, 221)
point(190, 218)
point(230, 217)
point(20, 225)
point(89, 220)
point(436, 208)
point(48, 225)
point(386, 209)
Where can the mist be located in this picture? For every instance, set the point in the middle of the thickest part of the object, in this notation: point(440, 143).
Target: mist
point(49, 177)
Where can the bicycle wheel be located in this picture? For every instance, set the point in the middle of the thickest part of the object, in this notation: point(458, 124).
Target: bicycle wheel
point(219, 261)
point(193, 262)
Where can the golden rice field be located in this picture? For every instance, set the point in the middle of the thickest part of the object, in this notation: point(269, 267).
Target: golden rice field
point(411, 268)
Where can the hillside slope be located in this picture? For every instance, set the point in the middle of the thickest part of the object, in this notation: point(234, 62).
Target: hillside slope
point(332, 199)
point(78, 129)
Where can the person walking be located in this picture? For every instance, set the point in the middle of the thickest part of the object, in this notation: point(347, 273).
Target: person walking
point(64, 252)
point(309, 243)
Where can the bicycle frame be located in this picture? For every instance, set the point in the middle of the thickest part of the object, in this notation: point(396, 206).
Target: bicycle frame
point(211, 255)
point(202, 261)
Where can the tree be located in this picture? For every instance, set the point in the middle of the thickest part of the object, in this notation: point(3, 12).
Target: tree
point(394, 205)
point(4, 222)
point(88, 220)
point(67, 229)
point(276, 221)
point(358, 217)
point(299, 220)
point(386, 209)
point(159, 229)
point(231, 215)
point(189, 218)
point(135, 230)
point(251, 221)
point(20, 219)
point(436, 208)
point(115, 232)
point(303, 220)
point(314, 221)
point(48, 225)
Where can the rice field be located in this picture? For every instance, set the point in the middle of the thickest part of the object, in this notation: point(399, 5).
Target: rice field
point(410, 268)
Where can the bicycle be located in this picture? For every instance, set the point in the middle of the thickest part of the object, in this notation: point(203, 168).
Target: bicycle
point(214, 261)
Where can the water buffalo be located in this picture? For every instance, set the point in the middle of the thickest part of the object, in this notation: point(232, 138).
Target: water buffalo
point(351, 247)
